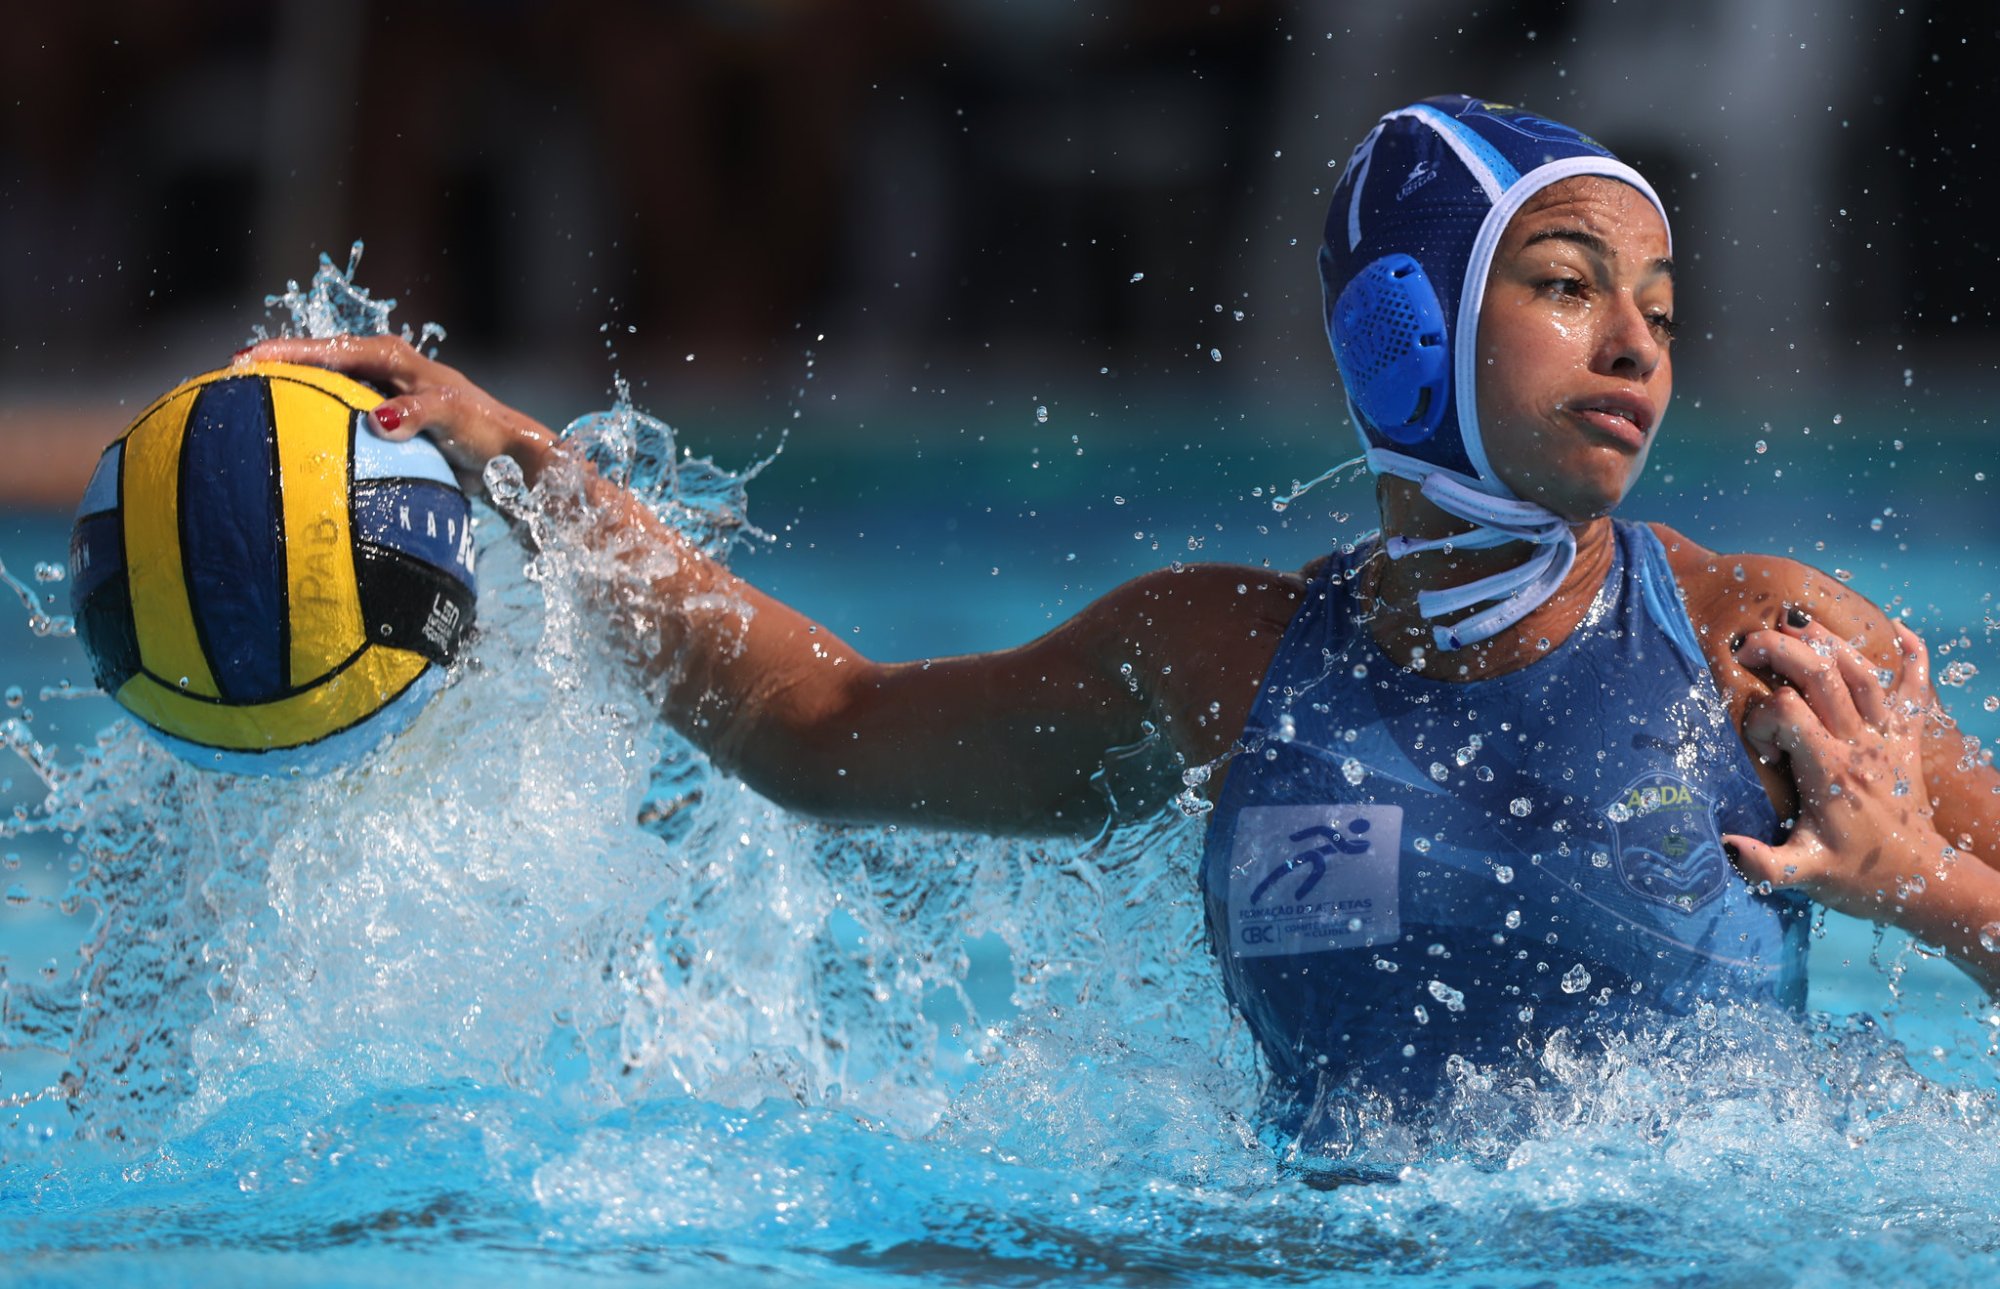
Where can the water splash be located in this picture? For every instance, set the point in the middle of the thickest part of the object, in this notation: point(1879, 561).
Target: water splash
point(332, 304)
point(1284, 503)
point(537, 984)
point(40, 621)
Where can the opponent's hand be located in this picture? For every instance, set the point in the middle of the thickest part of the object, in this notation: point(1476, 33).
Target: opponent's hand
point(469, 425)
point(1864, 829)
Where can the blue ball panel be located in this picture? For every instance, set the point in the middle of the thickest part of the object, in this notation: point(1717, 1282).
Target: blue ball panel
point(96, 554)
point(232, 544)
point(424, 520)
point(102, 494)
point(378, 458)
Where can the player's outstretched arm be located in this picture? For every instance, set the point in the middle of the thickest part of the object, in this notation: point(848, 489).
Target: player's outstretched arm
point(1042, 739)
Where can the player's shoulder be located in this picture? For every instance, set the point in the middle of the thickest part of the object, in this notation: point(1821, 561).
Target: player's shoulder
point(1745, 591)
point(1185, 600)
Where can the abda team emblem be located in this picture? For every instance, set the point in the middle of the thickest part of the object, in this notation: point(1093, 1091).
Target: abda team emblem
point(1665, 841)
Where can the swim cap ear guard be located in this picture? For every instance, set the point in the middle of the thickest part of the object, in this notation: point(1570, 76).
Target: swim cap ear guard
point(1410, 236)
point(1387, 329)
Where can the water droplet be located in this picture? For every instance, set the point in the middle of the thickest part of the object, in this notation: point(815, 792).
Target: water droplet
point(1503, 874)
point(47, 572)
point(1989, 937)
point(1041, 415)
point(1762, 447)
point(1353, 771)
point(1843, 575)
point(1513, 919)
point(1575, 980)
point(1704, 1015)
point(1991, 704)
point(1520, 807)
point(1875, 524)
point(1484, 774)
point(1215, 355)
point(1138, 277)
point(1453, 1000)
point(1618, 812)
point(14, 696)
point(1192, 804)
point(1360, 671)
point(18, 895)
point(1287, 728)
point(1423, 1016)
point(1439, 772)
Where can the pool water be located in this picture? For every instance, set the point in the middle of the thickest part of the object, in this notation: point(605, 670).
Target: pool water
point(535, 993)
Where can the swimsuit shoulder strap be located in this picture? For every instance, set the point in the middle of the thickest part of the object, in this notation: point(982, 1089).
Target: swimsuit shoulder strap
point(1659, 592)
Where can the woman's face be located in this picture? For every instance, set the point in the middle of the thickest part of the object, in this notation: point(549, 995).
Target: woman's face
point(1574, 336)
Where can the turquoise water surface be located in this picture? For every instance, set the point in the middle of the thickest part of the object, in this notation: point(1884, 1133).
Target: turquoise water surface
point(535, 993)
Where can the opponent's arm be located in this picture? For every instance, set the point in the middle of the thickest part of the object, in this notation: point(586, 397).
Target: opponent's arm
point(1022, 741)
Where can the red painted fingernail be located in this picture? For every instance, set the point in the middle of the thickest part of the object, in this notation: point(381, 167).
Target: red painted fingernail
point(388, 417)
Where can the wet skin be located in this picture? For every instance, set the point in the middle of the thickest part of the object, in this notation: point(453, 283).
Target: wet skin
point(1160, 674)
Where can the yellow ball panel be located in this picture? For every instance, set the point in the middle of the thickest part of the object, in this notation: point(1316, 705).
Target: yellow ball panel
point(344, 699)
point(168, 643)
point(315, 440)
point(345, 388)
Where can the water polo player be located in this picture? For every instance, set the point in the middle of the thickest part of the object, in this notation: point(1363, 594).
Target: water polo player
point(1478, 780)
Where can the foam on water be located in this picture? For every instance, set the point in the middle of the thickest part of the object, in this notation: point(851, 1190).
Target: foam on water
point(536, 989)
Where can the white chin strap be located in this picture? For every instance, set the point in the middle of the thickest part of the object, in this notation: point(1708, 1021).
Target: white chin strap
point(1495, 520)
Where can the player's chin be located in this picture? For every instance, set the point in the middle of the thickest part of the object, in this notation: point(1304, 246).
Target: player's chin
point(1581, 495)
point(1603, 483)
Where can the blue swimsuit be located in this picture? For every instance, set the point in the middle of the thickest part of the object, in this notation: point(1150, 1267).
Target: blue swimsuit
point(1403, 869)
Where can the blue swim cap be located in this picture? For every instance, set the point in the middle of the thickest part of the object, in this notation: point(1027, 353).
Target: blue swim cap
point(1410, 237)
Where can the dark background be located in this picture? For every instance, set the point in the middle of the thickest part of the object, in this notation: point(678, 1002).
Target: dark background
point(944, 204)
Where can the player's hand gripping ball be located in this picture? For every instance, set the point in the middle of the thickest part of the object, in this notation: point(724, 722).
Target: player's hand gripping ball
point(263, 582)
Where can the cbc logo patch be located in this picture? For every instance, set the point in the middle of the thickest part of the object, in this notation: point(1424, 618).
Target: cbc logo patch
point(1304, 879)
